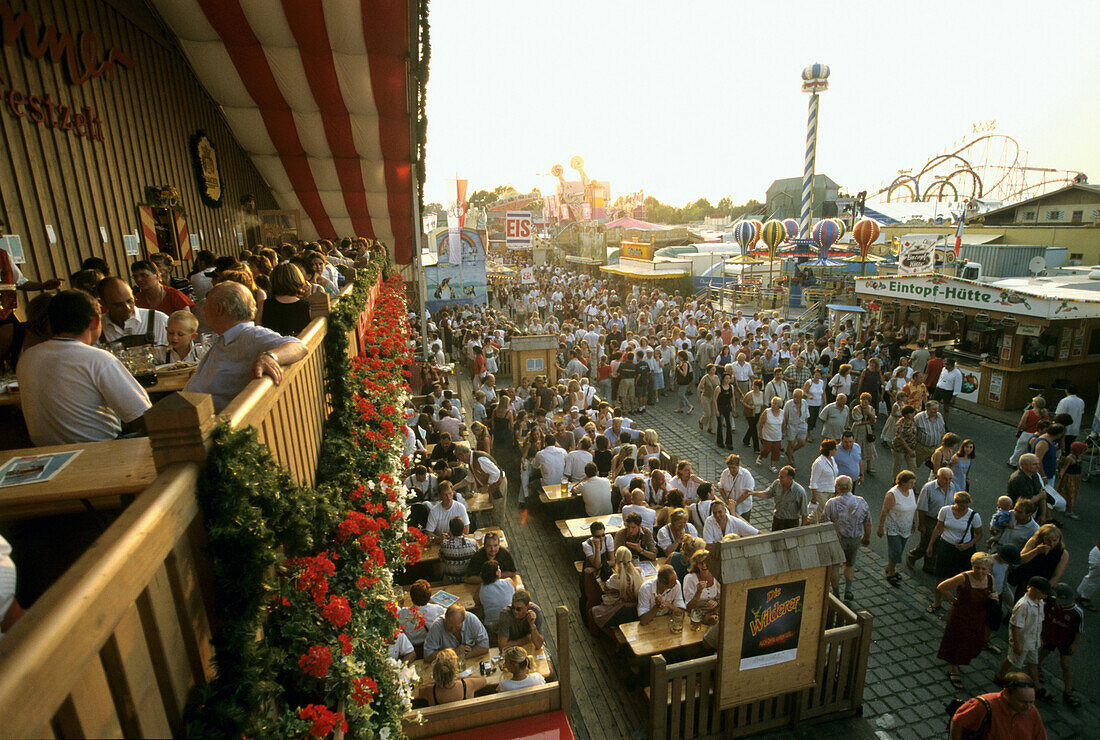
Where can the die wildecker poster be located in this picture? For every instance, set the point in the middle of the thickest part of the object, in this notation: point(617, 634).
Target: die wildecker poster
point(773, 621)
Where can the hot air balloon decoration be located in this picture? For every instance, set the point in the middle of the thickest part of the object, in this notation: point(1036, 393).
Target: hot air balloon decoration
point(745, 233)
point(825, 235)
point(773, 234)
point(792, 228)
point(864, 234)
point(759, 229)
point(843, 227)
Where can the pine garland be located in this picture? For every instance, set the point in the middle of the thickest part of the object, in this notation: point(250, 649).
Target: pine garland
point(305, 596)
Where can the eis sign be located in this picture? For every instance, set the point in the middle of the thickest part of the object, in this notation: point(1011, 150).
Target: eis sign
point(80, 59)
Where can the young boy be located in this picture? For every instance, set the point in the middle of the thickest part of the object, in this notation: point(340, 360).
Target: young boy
point(183, 329)
point(1000, 521)
point(1025, 630)
point(479, 406)
point(1061, 631)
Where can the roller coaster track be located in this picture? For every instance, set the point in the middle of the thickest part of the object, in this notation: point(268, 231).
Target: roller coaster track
point(974, 176)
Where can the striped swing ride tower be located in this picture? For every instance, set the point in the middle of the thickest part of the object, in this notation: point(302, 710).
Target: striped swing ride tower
point(815, 79)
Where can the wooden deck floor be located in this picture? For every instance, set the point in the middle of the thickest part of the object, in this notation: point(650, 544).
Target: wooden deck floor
point(603, 705)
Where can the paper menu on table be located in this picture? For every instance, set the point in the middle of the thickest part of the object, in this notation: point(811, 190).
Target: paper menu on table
point(615, 520)
point(443, 598)
point(648, 568)
point(34, 468)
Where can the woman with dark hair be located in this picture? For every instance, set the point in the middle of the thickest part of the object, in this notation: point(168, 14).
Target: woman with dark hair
point(823, 473)
point(957, 533)
point(1045, 555)
point(870, 381)
point(961, 464)
point(723, 410)
point(287, 311)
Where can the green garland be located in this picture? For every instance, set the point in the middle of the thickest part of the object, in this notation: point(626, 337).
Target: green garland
point(304, 597)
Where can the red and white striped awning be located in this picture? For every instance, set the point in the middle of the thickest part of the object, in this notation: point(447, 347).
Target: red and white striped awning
point(318, 93)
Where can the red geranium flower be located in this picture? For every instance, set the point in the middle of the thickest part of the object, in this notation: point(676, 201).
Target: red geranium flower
point(323, 720)
point(363, 690)
point(345, 644)
point(315, 661)
point(337, 611)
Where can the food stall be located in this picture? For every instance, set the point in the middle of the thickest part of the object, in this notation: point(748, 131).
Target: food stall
point(1011, 338)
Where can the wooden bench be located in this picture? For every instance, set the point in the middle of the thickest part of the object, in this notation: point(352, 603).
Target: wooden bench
point(484, 711)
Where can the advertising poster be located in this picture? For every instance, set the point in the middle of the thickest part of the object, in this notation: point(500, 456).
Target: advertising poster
point(916, 256)
point(773, 622)
point(995, 381)
point(460, 283)
point(972, 380)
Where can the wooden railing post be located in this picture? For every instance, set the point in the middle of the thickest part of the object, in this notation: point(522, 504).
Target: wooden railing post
point(658, 698)
point(865, 620)
point(179, 428)
point(563, 661)
point(319, 305)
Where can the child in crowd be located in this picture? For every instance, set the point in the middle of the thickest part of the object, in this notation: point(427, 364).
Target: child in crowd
point(479, 406)
point(1025, 635)
point(183, 330)
point(1069, 476)
point(1062, 620)
point(1000, 521)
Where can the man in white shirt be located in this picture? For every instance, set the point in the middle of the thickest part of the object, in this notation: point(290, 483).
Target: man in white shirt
point(949, 386)
point(551, 461)
point(637, 505)
point(578, 459)
point(622, 483)
point(720, 523)
point(124, 319)
point(661, 595)
point(1073, 405)
point(735, 481)
point(595, 491)
point(439, 518)
point(72, 391)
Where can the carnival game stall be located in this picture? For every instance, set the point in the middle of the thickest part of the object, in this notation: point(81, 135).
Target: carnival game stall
point(1011, 338)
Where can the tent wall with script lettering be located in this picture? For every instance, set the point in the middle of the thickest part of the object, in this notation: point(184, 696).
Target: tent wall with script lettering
point(91, 118)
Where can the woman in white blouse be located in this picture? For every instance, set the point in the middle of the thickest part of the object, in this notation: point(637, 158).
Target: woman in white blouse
point(955, 538)
point(842, 381)
point(701, 590)
point(897, 521)
point(823, 474)
point(814, 389)
point(770, 429)
point(620, 592)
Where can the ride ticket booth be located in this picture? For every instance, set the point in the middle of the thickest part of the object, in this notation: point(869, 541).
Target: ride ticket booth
point(1013, 338)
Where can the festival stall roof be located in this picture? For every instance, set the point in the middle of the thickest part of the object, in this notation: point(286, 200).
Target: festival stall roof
point(1059, 298)
point(647, 270)
point(322, 95)
point(627, 222)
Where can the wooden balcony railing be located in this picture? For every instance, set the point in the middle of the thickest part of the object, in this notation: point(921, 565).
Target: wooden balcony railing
point(115, 645)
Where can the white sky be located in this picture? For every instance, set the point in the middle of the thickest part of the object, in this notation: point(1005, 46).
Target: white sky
point(697, 99)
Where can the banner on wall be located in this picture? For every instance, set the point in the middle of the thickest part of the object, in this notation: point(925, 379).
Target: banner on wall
point(972, 381)
point(460, 283)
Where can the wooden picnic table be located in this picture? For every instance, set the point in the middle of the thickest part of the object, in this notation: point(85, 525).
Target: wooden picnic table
point(656, 637)
point(556, 493)
point(478, 502)
point(464, 591)
point(542, 665)
point(169, 383)
point(100, 474)
point(579, 528)
point(430, 552)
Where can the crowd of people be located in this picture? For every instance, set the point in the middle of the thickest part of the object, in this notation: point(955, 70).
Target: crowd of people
point(622, 348)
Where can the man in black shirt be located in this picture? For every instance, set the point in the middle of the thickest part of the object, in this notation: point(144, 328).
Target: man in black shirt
point(490, 550)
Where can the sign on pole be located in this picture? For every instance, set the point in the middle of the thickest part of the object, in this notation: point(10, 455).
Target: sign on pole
point(518, 230)
point(916, 256)
point(527, 275)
